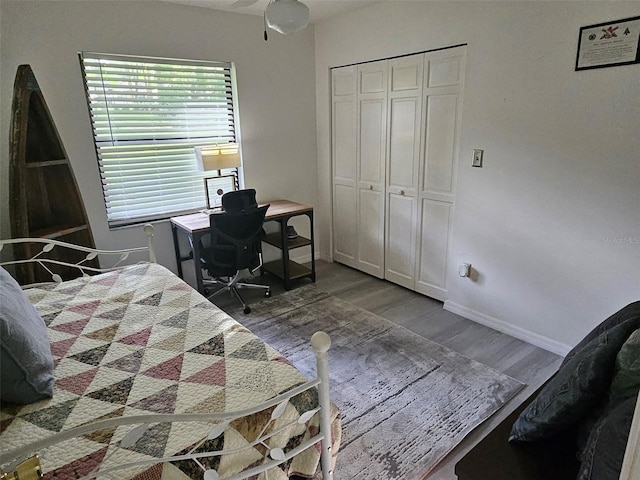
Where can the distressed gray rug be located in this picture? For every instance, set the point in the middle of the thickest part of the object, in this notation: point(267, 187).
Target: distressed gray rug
point(405, 400)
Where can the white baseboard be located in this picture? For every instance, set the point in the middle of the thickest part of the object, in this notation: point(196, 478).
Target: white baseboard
point(326, 258)
point(504, 327)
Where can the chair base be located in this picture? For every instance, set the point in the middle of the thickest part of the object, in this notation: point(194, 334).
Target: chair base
point(232, 284)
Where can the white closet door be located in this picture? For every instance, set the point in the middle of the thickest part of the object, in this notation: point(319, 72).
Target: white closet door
point(442, 102)
point(344, 123)
point(371, 148)
point(402, 174)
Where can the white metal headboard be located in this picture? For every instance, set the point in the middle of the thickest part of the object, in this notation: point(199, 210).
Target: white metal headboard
point(119, 256)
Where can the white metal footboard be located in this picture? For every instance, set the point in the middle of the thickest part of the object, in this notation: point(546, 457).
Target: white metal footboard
point(23, 457)
point(117, 256)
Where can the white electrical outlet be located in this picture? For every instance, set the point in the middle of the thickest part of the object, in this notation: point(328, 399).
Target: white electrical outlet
point(464, 270)
point(477, 157)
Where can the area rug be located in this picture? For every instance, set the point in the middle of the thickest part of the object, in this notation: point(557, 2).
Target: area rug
point(405, 400)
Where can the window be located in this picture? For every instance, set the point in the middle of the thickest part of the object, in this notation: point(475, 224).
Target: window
point(147, 115)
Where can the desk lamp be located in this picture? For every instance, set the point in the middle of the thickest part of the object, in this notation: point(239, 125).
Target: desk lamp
point(219, 157)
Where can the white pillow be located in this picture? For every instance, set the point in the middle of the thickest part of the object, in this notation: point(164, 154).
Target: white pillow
point(26, 363)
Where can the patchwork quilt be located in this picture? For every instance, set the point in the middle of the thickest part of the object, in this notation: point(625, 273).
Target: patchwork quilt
point(140, 341)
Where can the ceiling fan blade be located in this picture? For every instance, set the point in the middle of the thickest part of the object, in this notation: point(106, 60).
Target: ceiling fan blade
point(243, 3)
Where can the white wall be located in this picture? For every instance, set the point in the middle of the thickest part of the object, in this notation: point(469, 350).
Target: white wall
point(544, 222)
point(275, 90)
point(551, 224)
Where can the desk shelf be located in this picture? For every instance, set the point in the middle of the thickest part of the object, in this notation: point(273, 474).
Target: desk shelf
point(285, 268)
point(275, 240)
point(296, 270)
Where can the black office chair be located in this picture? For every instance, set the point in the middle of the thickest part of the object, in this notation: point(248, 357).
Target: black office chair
point(234, 201)
point(236, 241)
point(239, 200)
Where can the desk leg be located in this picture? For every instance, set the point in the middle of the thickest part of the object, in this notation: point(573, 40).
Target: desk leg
point(285, 252)
point(313, 250)
point(196, 262)
point(176, 247)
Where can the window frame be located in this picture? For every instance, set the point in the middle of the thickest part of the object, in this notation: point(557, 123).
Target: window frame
point(183, 142)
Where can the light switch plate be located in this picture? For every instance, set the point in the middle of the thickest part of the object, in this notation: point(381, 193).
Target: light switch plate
point(477, 158)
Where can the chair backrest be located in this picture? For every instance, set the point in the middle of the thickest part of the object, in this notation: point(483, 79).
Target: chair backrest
point(239, 200)
point(236, 240)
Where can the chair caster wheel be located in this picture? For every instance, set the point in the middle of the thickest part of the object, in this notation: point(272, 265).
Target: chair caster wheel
point(247, 310)
point(267, 293)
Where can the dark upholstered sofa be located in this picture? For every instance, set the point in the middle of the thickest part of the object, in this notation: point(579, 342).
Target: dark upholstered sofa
point(577, 424)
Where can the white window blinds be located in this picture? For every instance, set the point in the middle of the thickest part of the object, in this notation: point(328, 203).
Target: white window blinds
point(148, 114)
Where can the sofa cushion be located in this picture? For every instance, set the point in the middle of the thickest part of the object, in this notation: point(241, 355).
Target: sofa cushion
point(578, 387)
point(629, 313)
point(26, 363)
point(625, 384)
point(602, 458)
point(602, 453)
point(626, 381)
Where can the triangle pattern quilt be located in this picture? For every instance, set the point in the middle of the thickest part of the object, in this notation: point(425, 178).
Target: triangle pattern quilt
point(139, 341)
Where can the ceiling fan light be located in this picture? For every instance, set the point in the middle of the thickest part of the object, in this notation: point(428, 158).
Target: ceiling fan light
point(287, 16)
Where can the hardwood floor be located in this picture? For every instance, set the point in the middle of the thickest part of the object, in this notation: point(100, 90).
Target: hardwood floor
point(426, 317)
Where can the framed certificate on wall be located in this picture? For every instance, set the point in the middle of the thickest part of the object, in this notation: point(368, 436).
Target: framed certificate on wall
point(609, 44)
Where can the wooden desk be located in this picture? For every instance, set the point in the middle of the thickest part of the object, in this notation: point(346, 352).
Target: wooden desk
point(196, 225)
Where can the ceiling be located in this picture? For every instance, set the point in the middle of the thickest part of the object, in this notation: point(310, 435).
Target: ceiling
point(318, 9)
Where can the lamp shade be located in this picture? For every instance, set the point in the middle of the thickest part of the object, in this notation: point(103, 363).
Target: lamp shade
point(218, 157)
point(287, 16)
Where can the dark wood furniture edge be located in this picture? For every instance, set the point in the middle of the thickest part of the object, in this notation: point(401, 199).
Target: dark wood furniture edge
point(496, 459)
point(44, 198)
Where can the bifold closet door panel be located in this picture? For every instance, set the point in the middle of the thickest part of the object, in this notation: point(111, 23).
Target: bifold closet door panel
point(401, 240)
point(442, 101)
point(371, 187)
point(371, 155)
point(432, 254)
point(343, 133)
point(345, 225)
point(440, 150)
point(371, 232)
point(402, 173)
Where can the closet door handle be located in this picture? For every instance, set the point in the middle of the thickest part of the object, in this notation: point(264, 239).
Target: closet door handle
point(370, 187)
point(402, 192)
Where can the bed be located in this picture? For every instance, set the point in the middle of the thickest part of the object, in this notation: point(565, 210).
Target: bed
point(152, 381)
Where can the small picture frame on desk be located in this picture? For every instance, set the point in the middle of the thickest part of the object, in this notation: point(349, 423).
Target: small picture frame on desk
point(217, 186)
